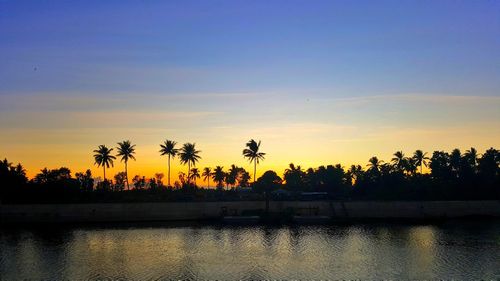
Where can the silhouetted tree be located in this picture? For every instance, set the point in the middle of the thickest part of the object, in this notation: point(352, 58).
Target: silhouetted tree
point(455, 162)
point(252, 153)
point(189, 155)
point(399, 160)
point(294, 177)
point(420, 159)
point(47, 176)
point(168, 148)
point(104, 158)
point(356, 173)
point(139, 182)
point(159, 179)
point(489, 167)
point(207, 174)
point(183, 179)
point(126, 151)
point(440, 165)
point(268, 182)
point(195, 174)
point(374, 164)
point(86, 181)
point(471, 157)
point(13, 179)
point(219, 176)
point(232, 175)
point(120, 180)
point(244, 178)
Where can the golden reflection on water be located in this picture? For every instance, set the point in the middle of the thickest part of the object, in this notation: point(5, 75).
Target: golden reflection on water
point(286, 252)
point(422, 241)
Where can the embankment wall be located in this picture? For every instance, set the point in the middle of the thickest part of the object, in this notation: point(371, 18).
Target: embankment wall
point(176, 211)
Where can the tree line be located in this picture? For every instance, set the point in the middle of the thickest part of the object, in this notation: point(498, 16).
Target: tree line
point(188, 155)
point(452, 176)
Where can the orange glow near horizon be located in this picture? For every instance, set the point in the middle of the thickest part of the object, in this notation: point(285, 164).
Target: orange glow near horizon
point(346, 131)
point(150, 162)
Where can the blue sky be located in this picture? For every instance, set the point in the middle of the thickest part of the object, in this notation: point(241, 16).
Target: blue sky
point(271, 70)
point(357, 47)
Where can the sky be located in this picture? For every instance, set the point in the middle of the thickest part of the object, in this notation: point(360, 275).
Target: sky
point(318, 82)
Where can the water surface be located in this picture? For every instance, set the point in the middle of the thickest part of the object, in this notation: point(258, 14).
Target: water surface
point(458, 250)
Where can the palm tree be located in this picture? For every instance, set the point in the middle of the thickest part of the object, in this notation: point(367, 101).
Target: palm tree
point(232, 175)
point(374, 163)
point(356, 172)
point(195, 173)
point(420, 159)
point(399, 160)
point(189, 155)
point(253, 154)
point(294, 176)
point(409, 166)
point(103, 158)
point(471, 155)
point(218, 176)
point(455, 159)
point(207, 173)
point(168, 148)
point(126, 150)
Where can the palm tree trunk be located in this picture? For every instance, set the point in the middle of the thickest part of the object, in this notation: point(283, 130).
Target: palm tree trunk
point(126, 175)
point(169, 170)
point(104, 167)
point(421, 168)
point(254, 169)
point(189, 170)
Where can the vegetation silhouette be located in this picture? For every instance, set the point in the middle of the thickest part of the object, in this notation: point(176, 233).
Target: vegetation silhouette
point(420, 159)
point(189, 155)
point(168, 148)
point(267, 183)
point(126, 151)
point(104, 158)
point(219, 176)
point(195, 174)
point(207, 174)
point(450, 176)
point(252, 153)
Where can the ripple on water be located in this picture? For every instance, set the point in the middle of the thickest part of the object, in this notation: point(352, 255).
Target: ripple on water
point(375, 251)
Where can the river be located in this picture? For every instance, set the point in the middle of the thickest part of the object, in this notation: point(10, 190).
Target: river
point(450, 250)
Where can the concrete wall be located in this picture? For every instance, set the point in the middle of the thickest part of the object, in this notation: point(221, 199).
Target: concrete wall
point(212, 210)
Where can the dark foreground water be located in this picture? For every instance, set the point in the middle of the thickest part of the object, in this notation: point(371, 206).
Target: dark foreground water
point(458, 250)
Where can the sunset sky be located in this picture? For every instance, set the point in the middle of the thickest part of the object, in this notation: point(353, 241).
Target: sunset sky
point(319, 82)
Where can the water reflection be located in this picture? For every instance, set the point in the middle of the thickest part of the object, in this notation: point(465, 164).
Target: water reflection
point(463, 250)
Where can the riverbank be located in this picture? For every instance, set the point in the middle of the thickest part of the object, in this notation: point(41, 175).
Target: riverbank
point(188, 211)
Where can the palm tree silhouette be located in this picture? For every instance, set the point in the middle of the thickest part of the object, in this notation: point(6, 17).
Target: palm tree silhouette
point(103, 158)
point(218, 176)
point(420, 159)
point(232, 175)
point(294, 176)
point(207, 173)
point(471, 155)
point(189, 155)
point(355, 172)
point(126, 150)
point(455, 159)
point(168, 148)
point(374, 163)
point(253, 154)
point(398, 160)
point(195, 173)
